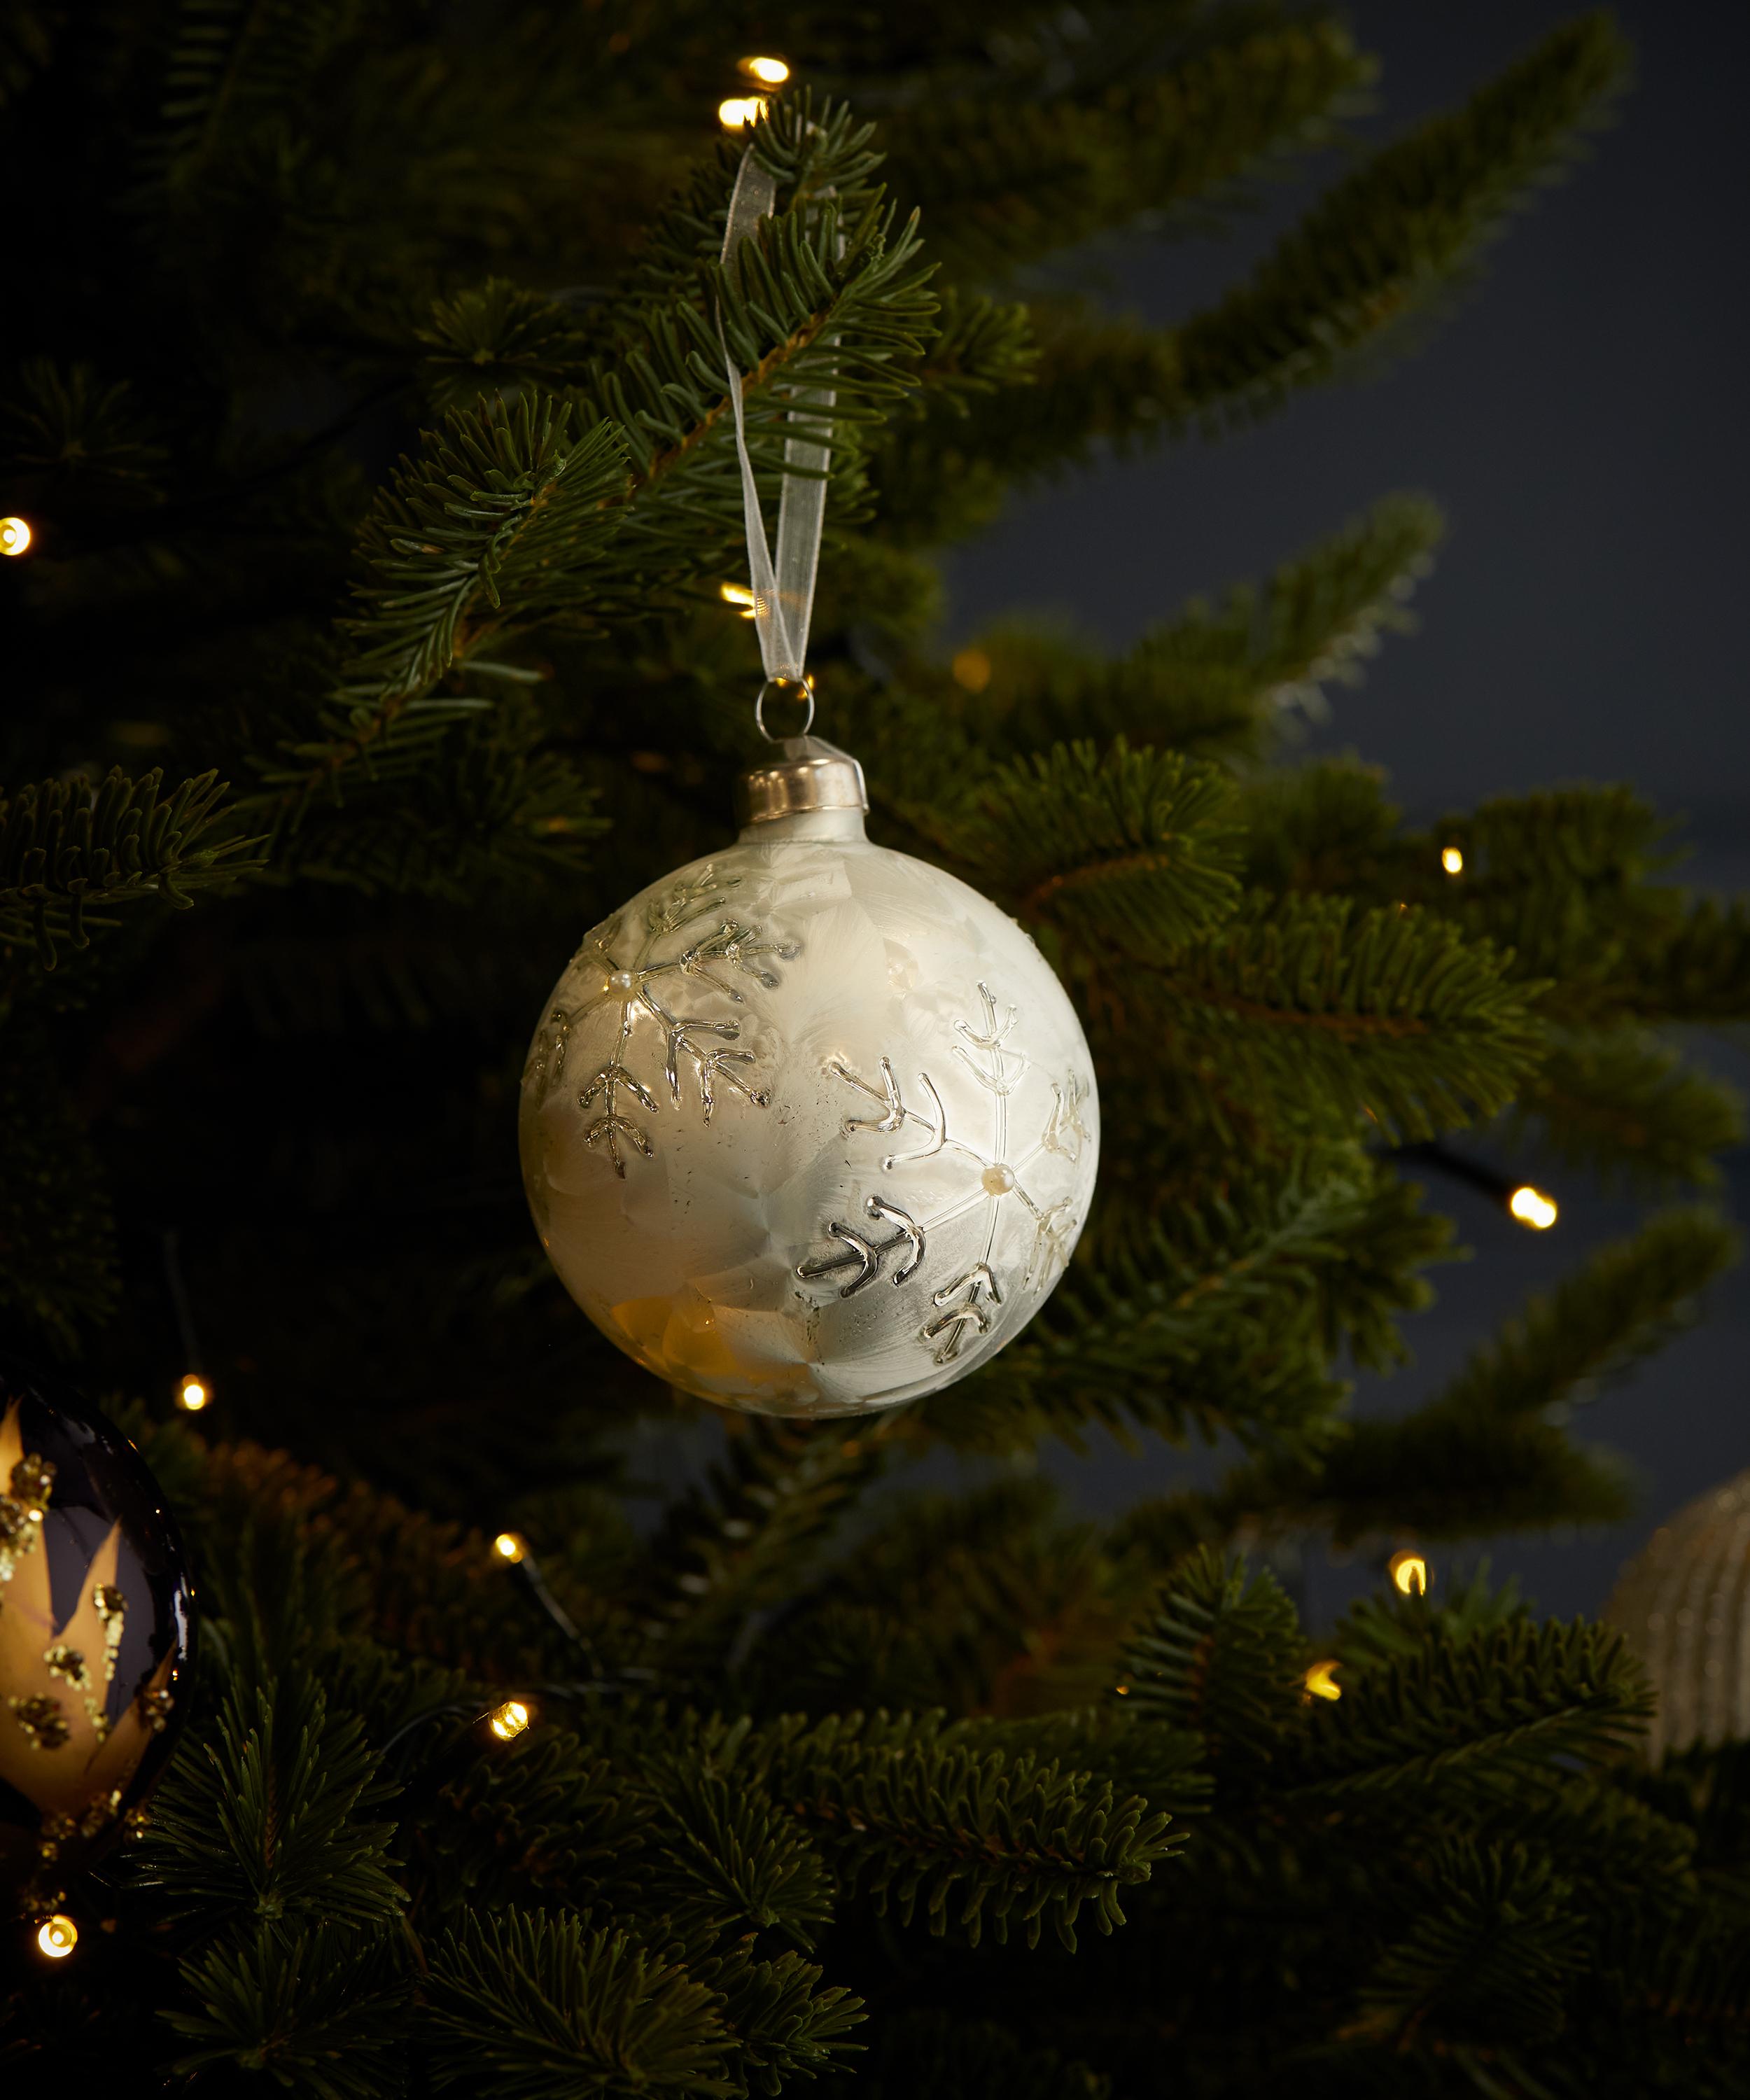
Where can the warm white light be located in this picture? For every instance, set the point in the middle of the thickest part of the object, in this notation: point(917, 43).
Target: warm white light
point(1451, 860)
point(192, 1393)
point(1409, 1571)
point(971, 669)
point(740, 110)
point(510, 1545)
point(1531, 1207)
point(769, 72)
point(1320, 1680)
point(15, 537)
point(738, 594)
point(509, 1720)
point(57, 1936)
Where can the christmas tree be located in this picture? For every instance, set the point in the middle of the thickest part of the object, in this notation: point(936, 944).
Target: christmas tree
point(374, 603)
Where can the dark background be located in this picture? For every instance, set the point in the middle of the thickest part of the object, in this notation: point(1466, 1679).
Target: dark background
point(1580, 417)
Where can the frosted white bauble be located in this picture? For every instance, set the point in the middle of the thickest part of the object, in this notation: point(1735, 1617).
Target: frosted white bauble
point(809, 1127)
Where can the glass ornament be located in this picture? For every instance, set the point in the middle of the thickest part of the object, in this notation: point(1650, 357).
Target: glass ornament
point(809, 1127)
point(96, 1635)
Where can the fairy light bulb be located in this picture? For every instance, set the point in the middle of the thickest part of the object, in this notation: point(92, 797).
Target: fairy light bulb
point(509, 1721)
point(58, 1936)
point(1320, 1680)
point(1451, 860)
point(192, 1393)
point(769, 72)
point(1408, 1571)
point(15, 535)
point(739, 111)
point(739, 596)
point(1532, 1208)
point(511, 1546)
point(970, 669)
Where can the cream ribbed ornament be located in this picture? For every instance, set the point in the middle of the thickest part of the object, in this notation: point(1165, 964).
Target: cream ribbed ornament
point(809, 1127)
point(1683, 1606)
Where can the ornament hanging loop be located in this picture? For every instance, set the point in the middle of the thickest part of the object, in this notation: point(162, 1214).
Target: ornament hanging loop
point(800, 689)
point(783, 578)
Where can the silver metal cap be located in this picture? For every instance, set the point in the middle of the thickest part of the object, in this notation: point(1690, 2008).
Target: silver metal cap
point(811, 775)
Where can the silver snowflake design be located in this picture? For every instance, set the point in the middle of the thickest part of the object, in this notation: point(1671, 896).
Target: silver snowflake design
point(962, 1309)
point(693, 1041)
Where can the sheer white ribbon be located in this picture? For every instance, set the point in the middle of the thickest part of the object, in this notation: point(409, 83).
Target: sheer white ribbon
point(783, 588)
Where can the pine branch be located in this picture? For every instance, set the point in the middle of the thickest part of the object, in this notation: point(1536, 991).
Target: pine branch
point(504, 517)
point(1440, 1474)
point(1131, 850)
point(79, 441)
point(1217, 682)
point(71, 854)
point(1389, 1013)
point(499, 337)
point(270, 1821)
point(1625, 1109)
point(723, 1860)
point(1388, 237)
point(988, 1602)
point(1144, 139)
point(1323, 827)
point(549, 1820)
point(1492, 1452)
point(913, 1816)
point(1566, 879)
point(1624, 1303)
point(229, 63)
point(813, 149)
point(825, 297)
point(1485, 1957)
point(785, 2026)
point(487, 811)
point(1220, 678)
point(1221, 1657)
point(980, 346)
point(509, 521)
point(58, 1265)
point(1219, 1315)
point(532, 2004)
point(1698, 970)
point(1482, 1708)
point(739, 1542)
point(324, 2010)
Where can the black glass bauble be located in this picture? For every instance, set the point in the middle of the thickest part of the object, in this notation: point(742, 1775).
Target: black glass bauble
point(96, 1635)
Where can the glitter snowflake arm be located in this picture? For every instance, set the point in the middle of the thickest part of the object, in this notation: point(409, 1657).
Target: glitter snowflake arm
point(610, 1126)
point(995, 1068)
point(736, 946)
point(680, 1040)
point(963, 1316)
point(866, 1255)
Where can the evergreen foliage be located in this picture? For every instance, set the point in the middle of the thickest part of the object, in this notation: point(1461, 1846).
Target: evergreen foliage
point(386, 469)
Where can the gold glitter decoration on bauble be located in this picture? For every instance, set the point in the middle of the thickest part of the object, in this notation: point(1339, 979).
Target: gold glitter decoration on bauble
point(33, 1482)
point(1683, 1606)
point(39, 1714)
